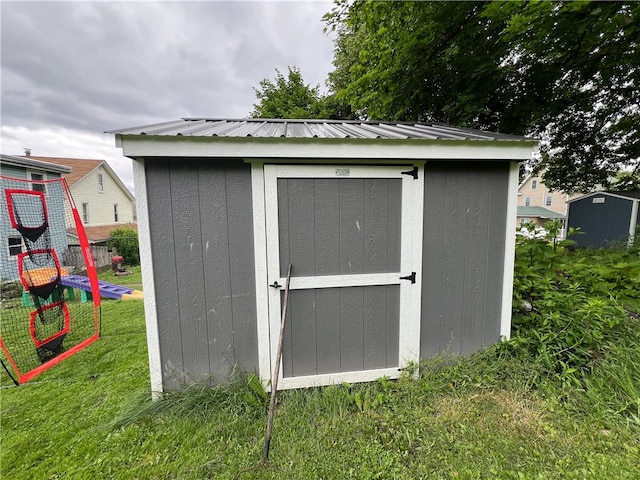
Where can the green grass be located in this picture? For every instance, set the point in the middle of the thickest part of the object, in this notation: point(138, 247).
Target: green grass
point(489, 416)
point(134, 280)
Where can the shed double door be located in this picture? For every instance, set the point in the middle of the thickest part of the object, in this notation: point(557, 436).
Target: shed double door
point(353, 237)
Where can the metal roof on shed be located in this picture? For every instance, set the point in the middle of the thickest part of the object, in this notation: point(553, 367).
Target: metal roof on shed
point(279, 128)
point(629, 195)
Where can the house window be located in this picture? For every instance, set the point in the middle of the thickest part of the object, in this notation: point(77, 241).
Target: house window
point(527, 201)
point(16, 246)
point(35, 178)
point(534, 184)
point(115, 212)
point(100, 182)
point(85, 213)
point(524, 220)
point(548, 200)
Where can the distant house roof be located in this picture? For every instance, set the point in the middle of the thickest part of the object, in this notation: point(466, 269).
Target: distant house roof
point(630, 195)
point(538, 212)
point(80, 168)
point(281, 128)
point(103, 232)
point(30, 162)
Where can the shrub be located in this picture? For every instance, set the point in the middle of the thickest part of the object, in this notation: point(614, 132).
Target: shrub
point(125, 242)
point(568, 304)
point(10, 289)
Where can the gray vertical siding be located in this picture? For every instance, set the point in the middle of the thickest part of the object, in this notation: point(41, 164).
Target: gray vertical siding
point(200, 218)
point(463, 255)
point(601, 223)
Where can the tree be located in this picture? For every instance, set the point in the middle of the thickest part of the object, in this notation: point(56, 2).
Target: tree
point(290, 98)
point(125, 242)
point(566, 72)
point(627, 181)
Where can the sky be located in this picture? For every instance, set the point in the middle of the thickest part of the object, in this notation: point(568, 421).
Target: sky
point(72, 70)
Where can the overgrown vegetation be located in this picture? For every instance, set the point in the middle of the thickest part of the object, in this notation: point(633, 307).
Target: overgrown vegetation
point(125, 241)
point(559, 400)
point(576, 317)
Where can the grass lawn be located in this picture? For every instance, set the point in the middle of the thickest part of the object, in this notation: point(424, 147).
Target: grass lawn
point(133, 281)
point(91, 417)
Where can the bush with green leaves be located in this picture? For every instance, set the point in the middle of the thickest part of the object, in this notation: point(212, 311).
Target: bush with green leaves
point(125, 242)
point(10, 289)
point(570, 304)
point(576, 317)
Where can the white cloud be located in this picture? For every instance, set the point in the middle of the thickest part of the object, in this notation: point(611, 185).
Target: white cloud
point(71, 70)
point(66, 143)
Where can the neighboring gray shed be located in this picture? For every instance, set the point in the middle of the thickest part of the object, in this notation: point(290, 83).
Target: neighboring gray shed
point(604, 218)
point(401, 238)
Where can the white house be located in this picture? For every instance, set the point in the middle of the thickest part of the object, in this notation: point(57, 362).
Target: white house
point(101, 198)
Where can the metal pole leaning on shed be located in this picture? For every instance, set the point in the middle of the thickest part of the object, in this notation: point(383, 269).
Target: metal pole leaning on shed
point(276, 371)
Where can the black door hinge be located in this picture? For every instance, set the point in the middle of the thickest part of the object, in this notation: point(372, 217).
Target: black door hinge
point(413, 173)
point(275, 285)
point(411, 277)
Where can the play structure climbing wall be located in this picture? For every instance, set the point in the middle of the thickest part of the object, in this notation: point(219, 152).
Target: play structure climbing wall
point(45, 318)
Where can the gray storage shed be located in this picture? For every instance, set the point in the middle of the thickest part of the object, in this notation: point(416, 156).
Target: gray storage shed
point(400, 236)
point(604, 217)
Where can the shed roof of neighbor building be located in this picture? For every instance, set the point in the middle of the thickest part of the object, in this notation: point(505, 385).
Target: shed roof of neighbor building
point(538, 212)
point(102, 233)
point(282, 128)
point(631, 194)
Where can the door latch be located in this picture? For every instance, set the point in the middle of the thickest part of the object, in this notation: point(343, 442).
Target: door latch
point(411, 277)
point(275, 285)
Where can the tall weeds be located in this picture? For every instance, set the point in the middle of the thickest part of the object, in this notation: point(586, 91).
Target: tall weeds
point(573, 316)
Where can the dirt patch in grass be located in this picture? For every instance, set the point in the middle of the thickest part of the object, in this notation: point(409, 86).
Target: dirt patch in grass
point(504, 410)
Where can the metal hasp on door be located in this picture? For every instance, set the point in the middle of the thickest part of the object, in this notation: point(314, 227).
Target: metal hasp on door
point(353, 235)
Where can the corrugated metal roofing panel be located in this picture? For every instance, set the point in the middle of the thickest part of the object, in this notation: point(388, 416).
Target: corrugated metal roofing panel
point(276, 128)
point(273, 130)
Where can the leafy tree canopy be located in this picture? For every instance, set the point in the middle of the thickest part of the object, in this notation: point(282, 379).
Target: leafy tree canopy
point(289, 97)
point(565, 72)
point(627, 181)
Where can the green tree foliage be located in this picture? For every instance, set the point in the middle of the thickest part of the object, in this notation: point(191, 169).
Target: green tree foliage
point(125, 242)
point(627, 181)
point(566, 72)
point(289, 97)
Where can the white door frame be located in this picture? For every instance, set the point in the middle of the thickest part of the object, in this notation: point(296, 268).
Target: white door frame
point(266, 249)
